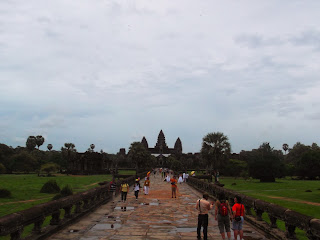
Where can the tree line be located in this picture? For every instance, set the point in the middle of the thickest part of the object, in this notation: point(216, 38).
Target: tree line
point(264, 163)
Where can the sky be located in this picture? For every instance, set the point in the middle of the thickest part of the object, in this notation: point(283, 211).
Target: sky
point(109, 72)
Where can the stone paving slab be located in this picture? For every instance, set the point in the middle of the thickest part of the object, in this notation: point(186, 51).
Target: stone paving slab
point(153, 216)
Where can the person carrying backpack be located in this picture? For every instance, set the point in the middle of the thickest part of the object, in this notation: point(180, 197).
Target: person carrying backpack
point(223, 214)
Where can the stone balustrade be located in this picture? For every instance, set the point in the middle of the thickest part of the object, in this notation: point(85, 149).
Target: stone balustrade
point(291, 218)
point(74, 207)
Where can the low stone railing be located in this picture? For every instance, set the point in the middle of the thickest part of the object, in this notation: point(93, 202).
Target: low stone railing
point(82, 203)
point(291, 218)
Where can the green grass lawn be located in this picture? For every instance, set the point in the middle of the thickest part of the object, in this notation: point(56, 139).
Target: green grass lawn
point(294, 192)
point(26, 187)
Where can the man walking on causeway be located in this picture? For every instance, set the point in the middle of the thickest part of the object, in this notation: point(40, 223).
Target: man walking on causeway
point(203, 206)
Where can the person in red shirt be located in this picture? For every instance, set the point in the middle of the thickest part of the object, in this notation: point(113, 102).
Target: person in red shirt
point(174, 186)
point(238, 217)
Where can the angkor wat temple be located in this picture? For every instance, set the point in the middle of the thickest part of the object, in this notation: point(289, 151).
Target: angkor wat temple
point(97, 163)
point(161, 150)
point(161, 147)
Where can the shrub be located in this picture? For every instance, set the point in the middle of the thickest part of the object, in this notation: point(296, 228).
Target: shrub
point(66, 191)
point(50, 187)
point(49, 167)
point(4, 193)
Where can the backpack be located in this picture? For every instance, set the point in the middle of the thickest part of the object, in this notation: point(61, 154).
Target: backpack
point(223, 209)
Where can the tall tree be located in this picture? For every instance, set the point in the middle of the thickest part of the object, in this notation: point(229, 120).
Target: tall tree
point(68, 151)
point(295, 154)
point(39, 140)
point(23, 162)
point(285, 147)
point(309, 164)
point(139, 155)
point(31, 143)
point(215, 149)
point(265, 163)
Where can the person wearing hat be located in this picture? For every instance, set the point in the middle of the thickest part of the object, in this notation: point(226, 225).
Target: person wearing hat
point(137, 188)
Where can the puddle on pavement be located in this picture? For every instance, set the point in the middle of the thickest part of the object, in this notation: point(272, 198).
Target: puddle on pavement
point(154, 204)
point(106, 226)
point(151, 204)
point(73, 230)
point(183, 220)
point(186, 230)
point(124, 208)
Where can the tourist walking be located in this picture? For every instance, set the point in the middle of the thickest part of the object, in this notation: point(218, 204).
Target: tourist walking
point(146, 186)
point(136, 188)
point(174, 187)
point(180, 180)
point(168, 177)
point(238, 217)
point(203, 206)
point(223, 214)
point(124, 191)
point(112, 188)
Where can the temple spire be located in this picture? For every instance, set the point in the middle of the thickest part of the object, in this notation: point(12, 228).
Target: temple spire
point(161, 140)
point(178, 146)
point(144, 142)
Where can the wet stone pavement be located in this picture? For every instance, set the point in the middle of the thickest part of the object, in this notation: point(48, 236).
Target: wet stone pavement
point(153, 216)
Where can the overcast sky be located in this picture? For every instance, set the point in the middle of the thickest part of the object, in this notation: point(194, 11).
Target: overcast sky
point(110, 72)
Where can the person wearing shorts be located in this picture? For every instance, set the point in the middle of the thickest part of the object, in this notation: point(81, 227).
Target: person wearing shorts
point(238, 211)
point(173, 187)
point(223, 220)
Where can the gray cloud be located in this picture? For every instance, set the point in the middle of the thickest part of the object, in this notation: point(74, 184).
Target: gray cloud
point(110, 72)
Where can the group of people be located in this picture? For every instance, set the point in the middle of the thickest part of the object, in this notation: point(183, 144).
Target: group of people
point(124, 188)
point(223, 213)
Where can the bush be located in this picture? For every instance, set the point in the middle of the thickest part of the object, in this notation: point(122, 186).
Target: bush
point(66, 191)
point(4, 193)
point(50, 187)
point(49, 167)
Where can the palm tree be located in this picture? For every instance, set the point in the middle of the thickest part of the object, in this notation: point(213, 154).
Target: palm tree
point(285, 147)
point(215, 149)
point(49, 146)
point(31, 142)
point(39, 140)
point(92, 146)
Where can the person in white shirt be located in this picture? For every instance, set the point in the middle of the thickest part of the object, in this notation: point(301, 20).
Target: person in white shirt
point(203, 206)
